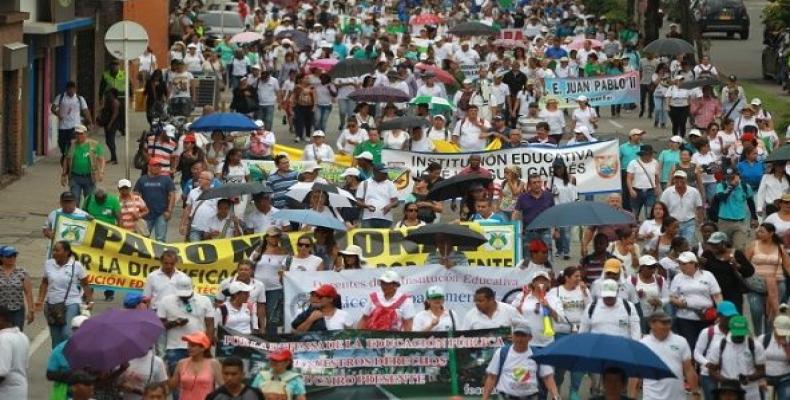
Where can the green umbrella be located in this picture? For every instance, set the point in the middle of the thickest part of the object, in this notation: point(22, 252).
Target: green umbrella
point(436, 104)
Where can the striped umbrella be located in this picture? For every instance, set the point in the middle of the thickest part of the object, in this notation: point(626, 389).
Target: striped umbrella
point(325, 64)
point(436, 104)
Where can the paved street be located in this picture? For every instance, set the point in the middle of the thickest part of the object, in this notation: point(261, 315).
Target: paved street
point(25, 203)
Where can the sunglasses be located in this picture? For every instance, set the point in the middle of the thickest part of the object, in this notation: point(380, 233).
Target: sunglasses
point(304, 244)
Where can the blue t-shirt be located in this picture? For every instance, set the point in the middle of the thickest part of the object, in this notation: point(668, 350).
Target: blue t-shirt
point(734, 206)
point(493, 218)
point(155, 191)
point(668, 159)
point(58, 363)
point(752, 173)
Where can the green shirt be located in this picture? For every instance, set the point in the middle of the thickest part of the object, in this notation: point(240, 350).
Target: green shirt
point(106, 212)
point(734, 207)
point(373, 148)
point(628, 153)
point(593, 69)
point(80, 156)
point(225, 52)
point(668, 159)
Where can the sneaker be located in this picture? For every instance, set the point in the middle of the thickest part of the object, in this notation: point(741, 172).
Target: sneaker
point(296, 140)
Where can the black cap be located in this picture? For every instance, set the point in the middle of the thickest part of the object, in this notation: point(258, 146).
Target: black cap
point(645, 149)
point(67, 196)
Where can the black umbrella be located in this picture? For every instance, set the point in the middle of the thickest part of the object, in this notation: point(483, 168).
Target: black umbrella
point(404, 123)
point(352, 68)
point(300, 38)
point(460, 235)
point(779, 154)
point(472, 29)
point(457, 186)
point(379, 94)
point(669, 47)
point(229, 190)
point(587, 213)
point(707, 81)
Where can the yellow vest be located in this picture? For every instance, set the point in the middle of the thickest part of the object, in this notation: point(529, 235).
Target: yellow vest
point(117, 82)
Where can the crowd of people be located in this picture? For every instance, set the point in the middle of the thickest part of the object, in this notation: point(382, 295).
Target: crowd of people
point(711, 218)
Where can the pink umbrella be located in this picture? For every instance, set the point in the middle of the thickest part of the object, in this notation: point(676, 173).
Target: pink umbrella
point(426, 19)
point(323, 63)
point(246, 37)
point(578, 44)
point(441, 75)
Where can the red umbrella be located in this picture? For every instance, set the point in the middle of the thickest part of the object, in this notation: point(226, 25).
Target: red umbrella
point(510, 43)
point(323, 63)
point(578, 44)
point(442, 75)
point(426, 19)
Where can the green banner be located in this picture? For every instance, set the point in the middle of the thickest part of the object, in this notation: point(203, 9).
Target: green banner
point(370, 365)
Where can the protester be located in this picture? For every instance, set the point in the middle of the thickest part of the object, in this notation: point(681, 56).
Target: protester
point(159, 194)
point(161, 282)
point(389, 309)
point(58, 368)
point(377, 197)
point(324, 312)
point(694, 293)
point(83, 164)
point(198, 374)
point(14, 358)
point(269, 260)
point(16, 288)
point(728, 266)
point(234, 385)
point(712, 334)
point(739, 357)
point(279, 380)
point(675, 352)
point(771, 265)
point(535, 303)
point(776, 358)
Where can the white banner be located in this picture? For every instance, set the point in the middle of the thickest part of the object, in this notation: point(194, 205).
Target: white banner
point(459, 284)
point(596, 166)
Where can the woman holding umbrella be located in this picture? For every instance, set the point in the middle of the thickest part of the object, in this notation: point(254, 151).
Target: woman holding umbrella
point(269, 259)
point(196, 376)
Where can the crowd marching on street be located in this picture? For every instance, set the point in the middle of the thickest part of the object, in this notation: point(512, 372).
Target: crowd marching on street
point(697, 273)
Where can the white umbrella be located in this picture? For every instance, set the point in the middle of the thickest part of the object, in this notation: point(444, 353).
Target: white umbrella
point(338, 198)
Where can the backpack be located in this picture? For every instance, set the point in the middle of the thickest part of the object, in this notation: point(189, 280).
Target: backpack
point(503, 351)
point(594, 303)
point(276, 386)
point(659, 280)
point(750, 341)
point(223, 310)
point(384, 318)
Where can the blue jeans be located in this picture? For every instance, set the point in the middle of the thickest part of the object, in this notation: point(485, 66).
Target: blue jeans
point(708, 386)
point(781, 388)
point(18, 318)
point(688, 229)
point(645, 198)
point(60, 333)
point(266, 114)
point(194, 235)
point(660, 116)
point(81, 185)
point(158, 228)
point(171, 359)
point(346, 108)
point(322, 117)
point(757, 310)
point(559, 374)
point(563, 243)
point(274, 311)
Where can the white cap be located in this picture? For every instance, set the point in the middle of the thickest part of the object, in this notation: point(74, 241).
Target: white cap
point(259, 123)
point(365, 155)
point(539, 274)
point(352, 250)
point(679, 77)
point(434, 291)
point(390, 276)
point(609, 288)
point(756, 102)
point(183, 286)
point(467, 81)
point(680, 174)
point(350, 172)
point(170, 131)
point(647, 260)
point(319, 133)
point(695, 132)
point(582, 98)
point(238, 286)
point(676, 139)
point(77, 321)
point(124, 183)
point(192, 46)
point(286, 41)
point(255, 66)
point(80, 128)
point(687, 257)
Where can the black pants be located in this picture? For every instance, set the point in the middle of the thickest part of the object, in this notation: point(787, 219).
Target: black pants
point(65, 136)
point(689, 329)
point(303, 121)
point(646, 93)
point(109, 138)
point(625, 194)
point(678, 116)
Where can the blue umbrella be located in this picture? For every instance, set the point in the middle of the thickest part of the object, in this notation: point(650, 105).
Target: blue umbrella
point(580, 213)
point(225, 122)
point(594, 352)
point(310, 217)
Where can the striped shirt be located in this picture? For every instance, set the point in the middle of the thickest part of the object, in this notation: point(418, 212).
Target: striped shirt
point(161, 151)
point(131, 208)
point(280, 184)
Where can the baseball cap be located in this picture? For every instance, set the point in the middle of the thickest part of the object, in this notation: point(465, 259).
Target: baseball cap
point(380, 167)
point(537, 245)
point(77, 321)
point(582, 98)
point(259, 123)
point(687, 257)
point(695, 132)
point(67, 196)
point(190, 138)
point(365, 155)
point(782, 325)
point(645, 149)
point(738, 325)
point(756, 102)
point(521, 326)
point(286, 41)
point(676, 139)
point(238, 286)
point(8, 251)
point(439, 116)
point(350, 172)
point(255, 66)
point(325, 290)
point(352, 250)
point(192, 46)
point(435, 292)
point(467, 81)
point(80, 128)
point(680, 174)
point(280, 355)
point(636, 131)
point(319, 133)
point(199, 338)
point(124, 183)
point(183, 286)
point(726, 309)
point(612, 265)
point(717, 237)
point(132, 300)
point(648, 260)
point(540, 274)
point(609, 288)
point(390, 277)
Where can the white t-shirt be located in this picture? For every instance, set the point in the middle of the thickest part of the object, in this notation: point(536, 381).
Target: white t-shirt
point(683, 208)
point(673, 351)
point(13, 363)
point(404, 312)
point(534, 319)
point(555, 119)
point(158, 285)
point(377, 194)
point(425, 145)
point(146, 62)
point(470, 135)
point(703, 345)
point(58, 278)
point(678, 97)
point(348, 141)
point(781, 225)
point(194, 63)
point(614, 320)
point(697, 292)
point(519, 374)
point(650, 226)
point(737, 359)
point(267, 269)
point(202, 210)
point(583, 117)
point(322, 153)
point(503, 317)
point(259, 222)
point(722, 140)
point(69, 110)
point(143, 370)
point(651, 291)
point(574, 302)
point(171, 308)
point(309, 263)
point(338, 321)
point(267, 91)
point(776, 361)
point(424, 319)
point(241, 319)
point(257, 294)
point(702, 160)
point(180, 84)
point(644, 178)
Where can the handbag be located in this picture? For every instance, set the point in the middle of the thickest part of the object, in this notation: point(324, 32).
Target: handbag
point(56, 313)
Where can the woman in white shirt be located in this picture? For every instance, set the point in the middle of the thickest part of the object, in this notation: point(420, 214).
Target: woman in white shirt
point(575, 298)
point(325, 94)
point(661, 83)
point(584, 115)
point(693, 293)
point(563, 187)
point(64, 281)
point(237, 313)
point(318, 150)
point(652, 289)
point(706, 161)
point(678, 100)
point(726, 139)
point(232, 170)
point(777, 361)
point(303, 260)
point(353, 135)
point(650, 229)
point(435, 317)
point(269, 259)
point(554, 117)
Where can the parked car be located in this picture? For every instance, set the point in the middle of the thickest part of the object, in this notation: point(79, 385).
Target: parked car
point(222, 22)
point(727, 16)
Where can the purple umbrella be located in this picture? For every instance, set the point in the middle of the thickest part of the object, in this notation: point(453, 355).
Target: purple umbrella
point(112, 338)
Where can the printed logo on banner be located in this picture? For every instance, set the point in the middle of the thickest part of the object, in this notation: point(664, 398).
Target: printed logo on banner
point(607, 165)
point(498, 239)
point(299, 302)
point(72, 231)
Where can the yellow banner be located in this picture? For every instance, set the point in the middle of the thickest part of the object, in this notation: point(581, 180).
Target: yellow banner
point(117, 258)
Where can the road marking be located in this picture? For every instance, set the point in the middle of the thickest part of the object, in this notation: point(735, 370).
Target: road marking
point(616, 124)
point(38, 341)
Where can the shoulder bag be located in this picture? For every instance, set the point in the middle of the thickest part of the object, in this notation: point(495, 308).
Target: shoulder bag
point(56, 312)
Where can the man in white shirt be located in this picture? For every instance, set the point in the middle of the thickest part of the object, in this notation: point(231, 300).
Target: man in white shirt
point(430, 87)
point(269, 94)
point(513, 372)
point(712, 334)
point(193, 59)
point(643, 181)
point(13, 358)
point(261, 217)
point(377, 197)
point(536, 301)
point(222, 224)
point(611, 315)
point(68, 207)
point(739, 357)
point(489, 313)
point(472, 130)
point(197, 213)
point(613, 270)
point(68, 106)
point(466, 55)
point(183, 313)
point(675, 352)
point(161, 282)
point(685, 204)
